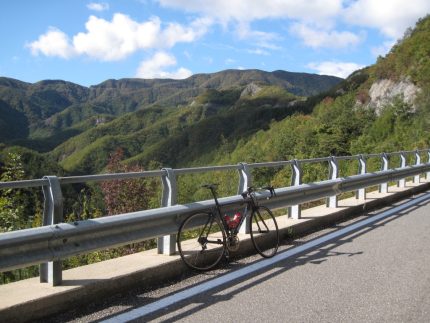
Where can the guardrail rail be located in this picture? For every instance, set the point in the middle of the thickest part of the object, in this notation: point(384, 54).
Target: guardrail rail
point(55, 240)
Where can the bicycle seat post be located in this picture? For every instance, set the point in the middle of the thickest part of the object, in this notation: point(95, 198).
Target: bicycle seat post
point(211, 187)
point(214, 195)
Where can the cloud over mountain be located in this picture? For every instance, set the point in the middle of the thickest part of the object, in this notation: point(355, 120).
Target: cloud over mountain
point(117, 39)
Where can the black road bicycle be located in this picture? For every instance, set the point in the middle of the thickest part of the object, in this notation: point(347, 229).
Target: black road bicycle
point(205, 238)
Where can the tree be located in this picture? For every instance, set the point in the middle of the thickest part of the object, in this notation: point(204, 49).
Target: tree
point(14, 210)
point(12, 201)
point(129, 195)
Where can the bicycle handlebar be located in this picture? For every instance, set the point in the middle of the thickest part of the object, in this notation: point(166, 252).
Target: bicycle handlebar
point(249, 191)
point(252, 189)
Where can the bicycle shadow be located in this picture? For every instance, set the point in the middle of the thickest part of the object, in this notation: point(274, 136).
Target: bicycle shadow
point(316, 255)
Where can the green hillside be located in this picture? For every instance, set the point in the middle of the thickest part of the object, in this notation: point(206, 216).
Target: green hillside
point(50, 112)
point(410, 57)
point(177, 136)
point(345, 121)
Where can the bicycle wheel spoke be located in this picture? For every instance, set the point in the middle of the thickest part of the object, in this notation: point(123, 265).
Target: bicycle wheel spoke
point(261, 223)
point(264, 232)
point(201, 241)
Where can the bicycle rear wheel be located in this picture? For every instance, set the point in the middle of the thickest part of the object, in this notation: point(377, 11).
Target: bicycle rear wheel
point(201, 241)
point(264, 232)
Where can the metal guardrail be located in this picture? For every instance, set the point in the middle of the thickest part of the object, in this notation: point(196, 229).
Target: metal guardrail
point(55, 240)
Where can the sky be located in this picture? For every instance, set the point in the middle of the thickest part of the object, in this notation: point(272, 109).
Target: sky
point(88, 42)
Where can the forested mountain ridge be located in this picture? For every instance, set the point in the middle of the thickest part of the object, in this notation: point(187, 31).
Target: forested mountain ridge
point(31, 104)
point(83, 125)
point(179, 136)
point(48, 108)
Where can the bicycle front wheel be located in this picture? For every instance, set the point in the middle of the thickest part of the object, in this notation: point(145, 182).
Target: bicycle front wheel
point(264, 232)
point(201, 241)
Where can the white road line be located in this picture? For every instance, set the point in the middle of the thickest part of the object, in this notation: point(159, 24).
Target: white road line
point(201, 288)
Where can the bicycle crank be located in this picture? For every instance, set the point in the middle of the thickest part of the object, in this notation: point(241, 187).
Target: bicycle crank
point(233, 243)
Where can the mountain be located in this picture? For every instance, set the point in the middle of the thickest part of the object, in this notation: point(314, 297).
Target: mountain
point(181, 135)
point(70, 119)
point(47, 108)
point(383, 107)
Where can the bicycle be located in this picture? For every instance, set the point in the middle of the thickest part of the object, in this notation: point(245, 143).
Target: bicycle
point(204, 238)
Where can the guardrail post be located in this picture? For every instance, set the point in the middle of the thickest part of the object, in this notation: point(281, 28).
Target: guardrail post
point(245, 178)
point(383, 188)
point(417, 162)
point(402, 182)
point(331, 201)
point(51, 272)
point(245, 181)
point(166, 244)
point(294, 211)
point(361, 193)
point(428, 161)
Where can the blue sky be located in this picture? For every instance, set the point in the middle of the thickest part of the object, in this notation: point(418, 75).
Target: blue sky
point(87, 42)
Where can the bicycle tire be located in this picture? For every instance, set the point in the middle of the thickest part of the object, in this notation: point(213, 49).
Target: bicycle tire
point(264, 232)
point(201, 241)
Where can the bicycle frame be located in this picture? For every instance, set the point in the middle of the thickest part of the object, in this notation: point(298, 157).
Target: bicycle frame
point(250, 206)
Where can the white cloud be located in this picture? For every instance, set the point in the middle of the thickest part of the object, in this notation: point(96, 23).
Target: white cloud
point(245, 10)
point(390, 17)
point(340, 69)
point(188, 55)
point(53, 43)
point(229, 61)
point(98, 6)
point(118, 38)
point(156, 66)
point(176, 33)
point(313, 20)
point(317, 38)
point(241, 13)
point(244, 31)
point(259, 51)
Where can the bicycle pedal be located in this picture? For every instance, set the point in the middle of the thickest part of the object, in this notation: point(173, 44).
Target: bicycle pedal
point(227, 255)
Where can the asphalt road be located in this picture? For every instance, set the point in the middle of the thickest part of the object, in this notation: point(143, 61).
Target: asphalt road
point(379, 272)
